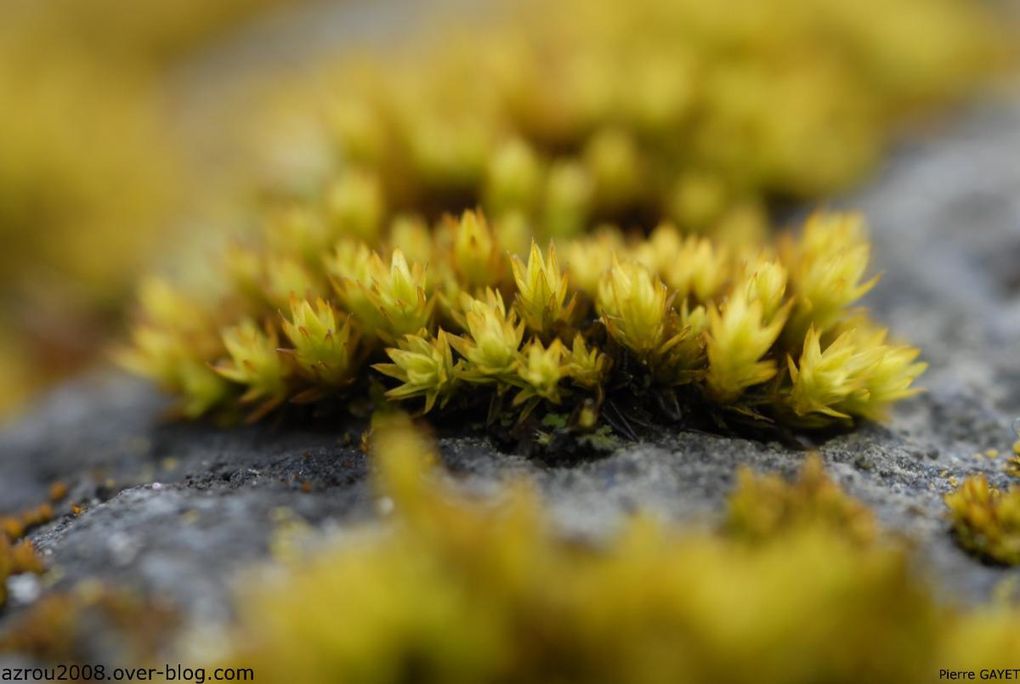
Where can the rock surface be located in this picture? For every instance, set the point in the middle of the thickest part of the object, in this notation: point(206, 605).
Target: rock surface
point(177, 510)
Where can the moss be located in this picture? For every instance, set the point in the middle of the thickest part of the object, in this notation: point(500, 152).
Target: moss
point(763, 334)
point(763, 507)
point(571, 115)
point(986, 520)
point(455, 588)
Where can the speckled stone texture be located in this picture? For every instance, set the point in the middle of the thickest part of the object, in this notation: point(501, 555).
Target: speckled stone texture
point(178, 510)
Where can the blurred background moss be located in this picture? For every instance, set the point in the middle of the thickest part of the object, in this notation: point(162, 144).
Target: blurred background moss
point(91, 167)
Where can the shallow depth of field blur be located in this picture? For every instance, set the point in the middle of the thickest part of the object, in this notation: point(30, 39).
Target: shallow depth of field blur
point(229, 147)
point(121, 122)
point(93, 166)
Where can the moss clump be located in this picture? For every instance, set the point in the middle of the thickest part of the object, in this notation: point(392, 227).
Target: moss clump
point(456, 589)
point(762, 334)
point(581, 129)
point(986, 520)
point(763, 507)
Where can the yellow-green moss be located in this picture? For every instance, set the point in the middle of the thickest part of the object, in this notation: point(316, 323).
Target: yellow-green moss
point(584, 128)
point(764, 506)
point(569, 114)
point(458, 589)
point(759, 333)
point(986, 520)
point(560, 116)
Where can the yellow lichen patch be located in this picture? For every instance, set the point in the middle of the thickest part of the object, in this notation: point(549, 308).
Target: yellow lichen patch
point(764, 507)
point(986, 520)
point(58, 491)
point(723, 337)
point(454, 588)
point(16, 558)
point(18, 555)
point(15, 526)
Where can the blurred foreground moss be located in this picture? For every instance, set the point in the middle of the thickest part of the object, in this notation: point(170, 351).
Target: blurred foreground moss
point(763, 506)
point(458, 589)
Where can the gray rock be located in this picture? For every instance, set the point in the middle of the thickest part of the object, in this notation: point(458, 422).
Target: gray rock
point(177, 510)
